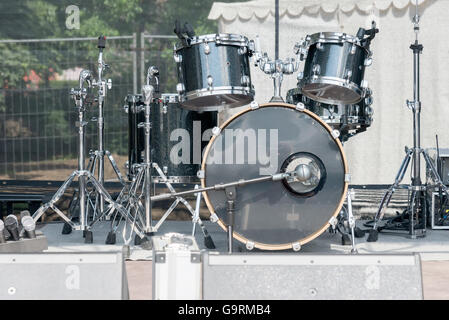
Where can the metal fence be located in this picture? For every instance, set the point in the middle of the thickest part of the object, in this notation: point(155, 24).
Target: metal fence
point(38, 137)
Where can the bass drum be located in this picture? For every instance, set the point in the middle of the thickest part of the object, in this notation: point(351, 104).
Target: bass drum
point(276, 137)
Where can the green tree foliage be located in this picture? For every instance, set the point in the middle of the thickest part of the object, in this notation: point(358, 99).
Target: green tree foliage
point(46, 19)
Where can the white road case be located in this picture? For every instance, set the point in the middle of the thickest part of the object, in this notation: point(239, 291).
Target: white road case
point(176, 267)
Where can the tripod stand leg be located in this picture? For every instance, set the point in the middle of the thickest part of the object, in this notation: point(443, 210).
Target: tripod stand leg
point(208, 242)
point(55, 198)
point(373, 233)
point(351, 221)
point(115, 167)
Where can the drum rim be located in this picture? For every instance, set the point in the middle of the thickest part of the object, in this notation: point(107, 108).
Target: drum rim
point(282, 246)
point(298, 90)
point(192, 95)
point(230, 38)
point(334, 81)
point(334, 37)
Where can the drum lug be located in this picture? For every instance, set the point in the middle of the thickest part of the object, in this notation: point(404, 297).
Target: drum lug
point(216, 131)
point(335, 134)
point(316, 70)
point(250, 245)
point(177, 57)
point(319, 46)
point(366, 90)
point(333, 222)
point(206, 48)
point(242, 50)
point(300, 106)
point(254, 105)
point(301, 49)
point(200, 174)
point(244, 80)
point(296, 246)
point(300, 76)
point(213, 217)
point(210, 82)
point(127, 164)
point(348, 76)
point(126, 108)
point(368, 62)
point(165, 169)
point(353, 49)
point(180, 88)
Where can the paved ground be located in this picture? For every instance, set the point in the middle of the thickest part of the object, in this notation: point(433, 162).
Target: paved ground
point(434, 251)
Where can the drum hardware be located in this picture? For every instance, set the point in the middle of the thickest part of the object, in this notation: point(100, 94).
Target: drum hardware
point(275, 68)
point(335, 65)
point(80, 96)
point(348, 120)
point(416, 205)
point(208, 242)
point(143, 178)
point(230, 192)
point(96, 158)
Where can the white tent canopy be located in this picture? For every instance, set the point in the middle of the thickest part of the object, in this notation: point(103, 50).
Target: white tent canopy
point(375, 155)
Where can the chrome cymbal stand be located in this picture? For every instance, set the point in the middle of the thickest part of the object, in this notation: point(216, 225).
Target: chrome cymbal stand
point(141, 184)
point(84, 176)
point(97, 156)
point(416, 187)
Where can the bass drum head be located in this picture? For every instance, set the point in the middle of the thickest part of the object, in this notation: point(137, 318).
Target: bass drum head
point(276, 137)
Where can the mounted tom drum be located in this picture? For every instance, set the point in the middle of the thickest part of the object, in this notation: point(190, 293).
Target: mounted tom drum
point(214, 72)
point(335, 67)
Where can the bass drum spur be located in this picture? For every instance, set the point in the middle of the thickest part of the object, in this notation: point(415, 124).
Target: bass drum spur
point(276, 215)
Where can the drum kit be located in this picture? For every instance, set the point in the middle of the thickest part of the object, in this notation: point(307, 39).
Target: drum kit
point(274, 176)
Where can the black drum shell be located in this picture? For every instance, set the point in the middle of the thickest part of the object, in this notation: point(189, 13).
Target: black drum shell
point(162, 125)
point(335, 59)
point(347, 119)
point(228, 66)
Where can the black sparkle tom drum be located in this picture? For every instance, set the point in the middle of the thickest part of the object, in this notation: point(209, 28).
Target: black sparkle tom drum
point(273, 138)
point(214, 72)
point(178, 137)
point(334, 68)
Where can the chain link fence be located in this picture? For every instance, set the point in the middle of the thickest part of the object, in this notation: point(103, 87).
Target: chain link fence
point(38, 137)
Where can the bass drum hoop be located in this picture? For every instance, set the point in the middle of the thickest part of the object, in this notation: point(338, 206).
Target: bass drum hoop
point(283, 246)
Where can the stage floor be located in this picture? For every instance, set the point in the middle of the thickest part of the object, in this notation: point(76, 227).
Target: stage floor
point(434, 246)
point(433, 249)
